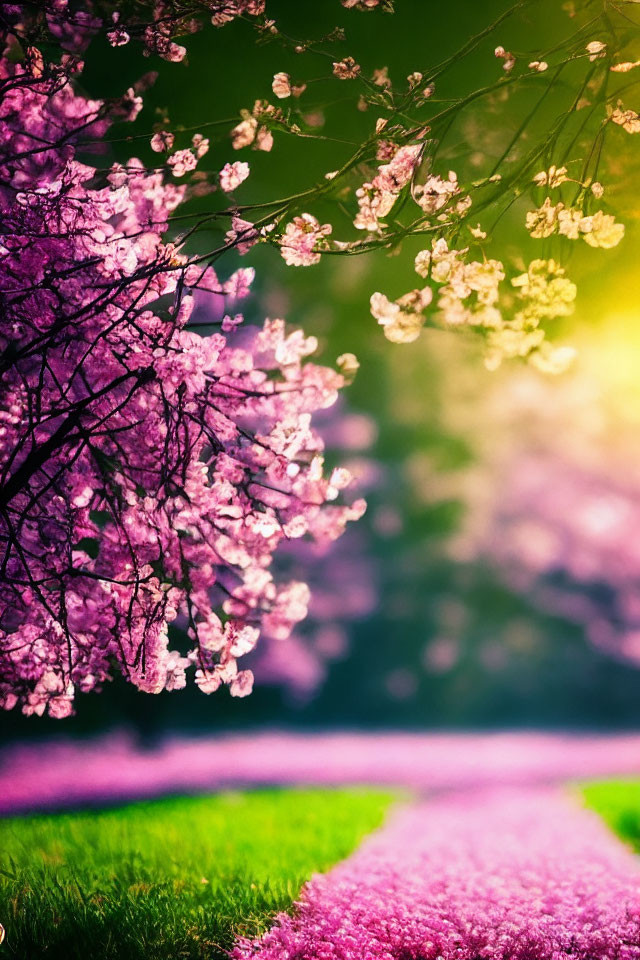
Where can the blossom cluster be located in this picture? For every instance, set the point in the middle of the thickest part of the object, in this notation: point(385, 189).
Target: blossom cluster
point(376, 198)
point(598, 229)
point(155, 25)
point(468, 295)
point(509, 874)
point(301, 239)
point(466, 292)
point(386, 5)
point(147, 474)
point(404, 143)
point(252, 131)
point(343, 576)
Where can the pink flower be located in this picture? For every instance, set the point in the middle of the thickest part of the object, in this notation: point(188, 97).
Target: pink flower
point(162, 141)
point(232, 175)
point(244, 133)
point(181, 162)
point(239, 283)
point(298, 246)
point(242, 685)
point(118, 36)
point(346, 69)
point(243, 235)
point(264, 139)
point(224, 11)
point(200, 145)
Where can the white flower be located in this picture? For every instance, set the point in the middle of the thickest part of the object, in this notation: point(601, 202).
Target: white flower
point(281, 85)
point(509, 61)
point(543, 222)
point(553, 177)
point(348, 364)
point(403, 320)
point(596, 49)
point(625, 67)
point(605, 232)
point(571, 223)
point(629, 120)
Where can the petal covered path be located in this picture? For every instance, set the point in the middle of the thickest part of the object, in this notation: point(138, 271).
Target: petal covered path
point(502, 874)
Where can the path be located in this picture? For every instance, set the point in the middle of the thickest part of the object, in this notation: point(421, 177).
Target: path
point(502, 874)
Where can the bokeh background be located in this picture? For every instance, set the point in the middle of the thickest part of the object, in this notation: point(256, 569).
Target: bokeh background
point(492, 581)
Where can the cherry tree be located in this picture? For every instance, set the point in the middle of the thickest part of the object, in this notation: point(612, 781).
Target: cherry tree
point(148, 473)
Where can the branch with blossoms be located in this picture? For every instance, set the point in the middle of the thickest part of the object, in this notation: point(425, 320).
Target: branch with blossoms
point(147, 474)
point(406, 197)
point(395, 187)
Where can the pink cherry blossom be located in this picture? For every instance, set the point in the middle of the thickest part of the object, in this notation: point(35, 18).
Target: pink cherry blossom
point(182, 161)
point(243, 235)
point(162, 141)
point(300, 241)
point(232, 175)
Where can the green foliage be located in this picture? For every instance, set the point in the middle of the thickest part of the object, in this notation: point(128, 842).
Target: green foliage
point(173, 878)
point(618, 803)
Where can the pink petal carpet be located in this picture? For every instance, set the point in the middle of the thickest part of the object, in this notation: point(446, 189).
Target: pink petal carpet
point(502, 874)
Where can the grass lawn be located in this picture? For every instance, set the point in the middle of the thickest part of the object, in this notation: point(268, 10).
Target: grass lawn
point(618, 803)
point(172, 878)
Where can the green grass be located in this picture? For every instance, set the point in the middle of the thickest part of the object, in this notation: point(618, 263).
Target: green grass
point(618, 803)
point(173, 878)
